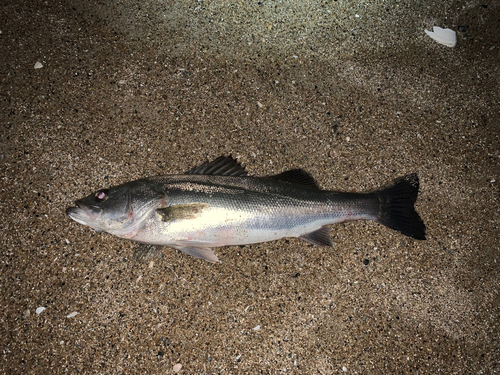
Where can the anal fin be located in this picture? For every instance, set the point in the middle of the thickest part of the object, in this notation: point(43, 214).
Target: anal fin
point(320, 237)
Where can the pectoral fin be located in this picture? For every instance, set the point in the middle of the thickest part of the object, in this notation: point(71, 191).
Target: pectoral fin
point(181, 211)
point(200, 252)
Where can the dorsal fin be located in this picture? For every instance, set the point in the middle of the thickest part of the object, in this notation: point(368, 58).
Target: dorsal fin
point(222, 166)
point(297, 176)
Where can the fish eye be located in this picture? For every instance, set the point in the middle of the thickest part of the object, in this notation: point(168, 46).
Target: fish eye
point(102, 195)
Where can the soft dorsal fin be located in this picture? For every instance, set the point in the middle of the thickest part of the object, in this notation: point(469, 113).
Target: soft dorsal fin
point(222, 166)
point(297, 176)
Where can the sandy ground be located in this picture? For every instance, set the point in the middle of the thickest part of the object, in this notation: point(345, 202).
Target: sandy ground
point(352, 91)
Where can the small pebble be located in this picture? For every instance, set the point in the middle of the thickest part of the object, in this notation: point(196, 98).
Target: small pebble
point(177, 367)
point(38, 65)
point(344, 368)
point(72, 315)
point(39, 310)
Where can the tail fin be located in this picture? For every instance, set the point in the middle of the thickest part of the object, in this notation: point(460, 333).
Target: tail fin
point(397, 209)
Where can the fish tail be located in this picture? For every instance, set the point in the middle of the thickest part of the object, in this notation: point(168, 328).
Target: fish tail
point(397, 209)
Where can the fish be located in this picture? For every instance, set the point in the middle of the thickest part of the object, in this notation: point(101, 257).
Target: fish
point(218, 204)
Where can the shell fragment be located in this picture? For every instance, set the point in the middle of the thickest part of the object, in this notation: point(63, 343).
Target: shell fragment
point(447, 37)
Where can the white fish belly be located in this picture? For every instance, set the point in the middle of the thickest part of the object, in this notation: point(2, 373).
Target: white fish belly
point(221, 227)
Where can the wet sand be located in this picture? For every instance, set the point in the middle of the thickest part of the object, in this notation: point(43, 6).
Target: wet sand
point(353, 92)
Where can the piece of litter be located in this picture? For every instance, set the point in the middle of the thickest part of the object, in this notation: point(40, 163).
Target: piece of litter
point(67, 241)
point(447, 37)
point(260, 104)
point(238, 357)
point(344, 368)
point(177, 367)
point(39, 310)
point(38, 65)
point(72, 315)
point(256, 328)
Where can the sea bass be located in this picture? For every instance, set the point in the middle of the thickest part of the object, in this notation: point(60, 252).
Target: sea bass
point(217, 204)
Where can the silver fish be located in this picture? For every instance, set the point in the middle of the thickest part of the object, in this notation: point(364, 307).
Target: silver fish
point(217, 204)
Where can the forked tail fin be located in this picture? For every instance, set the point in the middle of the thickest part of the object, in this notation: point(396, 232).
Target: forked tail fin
point(397, 209)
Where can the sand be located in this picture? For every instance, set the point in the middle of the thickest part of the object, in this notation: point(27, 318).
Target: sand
point(353, 92)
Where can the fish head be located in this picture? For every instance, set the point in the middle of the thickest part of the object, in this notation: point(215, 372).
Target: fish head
point(112, 210)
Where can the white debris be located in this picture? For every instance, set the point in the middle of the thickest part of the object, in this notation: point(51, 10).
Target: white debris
point(38, 65)
point(344, 368)
point(256, 328)
point(238, 357)
point(67, 241)
point(39, 310)
point(72, 315)
point(177, 367)
point(260, 104)
point(443, 36)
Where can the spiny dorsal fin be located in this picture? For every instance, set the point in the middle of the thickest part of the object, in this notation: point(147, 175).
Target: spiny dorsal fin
point(297, 176)
point(222, 166)
point(320, 237)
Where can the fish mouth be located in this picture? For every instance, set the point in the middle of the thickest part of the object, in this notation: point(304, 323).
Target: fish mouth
point(82, 214)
